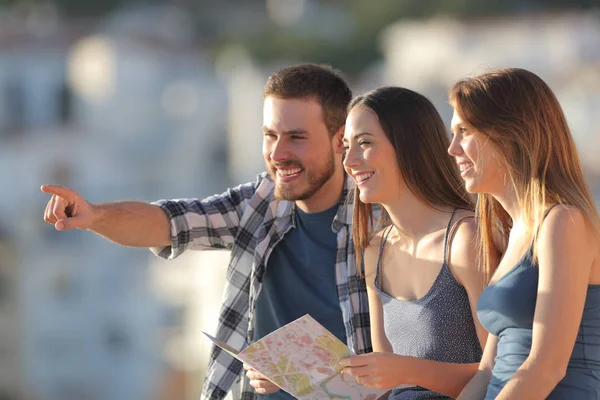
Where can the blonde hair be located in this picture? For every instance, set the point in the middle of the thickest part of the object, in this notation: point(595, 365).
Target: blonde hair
point(523, 120)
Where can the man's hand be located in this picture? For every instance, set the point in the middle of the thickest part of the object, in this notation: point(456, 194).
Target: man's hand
point(377, 370)
point(259, 382)
point(66, 209)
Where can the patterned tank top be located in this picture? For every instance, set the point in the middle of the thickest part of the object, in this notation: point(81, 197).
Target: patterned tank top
point(438, 326)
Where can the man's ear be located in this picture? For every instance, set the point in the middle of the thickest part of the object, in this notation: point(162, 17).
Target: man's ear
point(338, 142)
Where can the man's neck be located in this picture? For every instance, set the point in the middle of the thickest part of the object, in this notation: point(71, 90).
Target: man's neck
point(327, 196)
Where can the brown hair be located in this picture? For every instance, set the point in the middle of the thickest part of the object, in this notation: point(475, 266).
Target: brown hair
point(523, 120)
point(320, 82)
point(416, 131)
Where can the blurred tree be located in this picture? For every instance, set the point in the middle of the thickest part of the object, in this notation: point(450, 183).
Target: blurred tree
point(355, 50)
point(360, 48)
point(69, 8)
point(87, 8)
point(374, 12)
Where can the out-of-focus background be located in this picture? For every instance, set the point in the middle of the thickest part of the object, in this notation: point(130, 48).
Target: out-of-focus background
point(147, 100)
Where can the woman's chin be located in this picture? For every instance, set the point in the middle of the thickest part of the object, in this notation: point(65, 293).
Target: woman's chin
point(472, 187)
point(367, 197)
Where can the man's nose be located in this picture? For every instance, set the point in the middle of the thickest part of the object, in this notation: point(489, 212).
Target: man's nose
point(279, 151)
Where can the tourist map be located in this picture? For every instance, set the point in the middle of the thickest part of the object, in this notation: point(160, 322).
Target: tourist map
point(302, 358)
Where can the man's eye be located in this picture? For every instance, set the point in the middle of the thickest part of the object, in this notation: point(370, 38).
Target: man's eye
point(297, 137)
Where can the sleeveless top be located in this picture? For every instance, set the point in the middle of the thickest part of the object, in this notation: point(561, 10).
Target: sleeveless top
point(506, 308)
point(438, 326)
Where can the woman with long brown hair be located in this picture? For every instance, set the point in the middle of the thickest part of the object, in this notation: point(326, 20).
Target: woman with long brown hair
point(421, 270)
point(542, 305)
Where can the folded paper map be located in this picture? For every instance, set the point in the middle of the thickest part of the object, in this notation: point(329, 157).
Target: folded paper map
point(302, 358)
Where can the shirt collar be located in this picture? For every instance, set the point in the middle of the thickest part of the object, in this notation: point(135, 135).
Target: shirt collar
point(345, 205)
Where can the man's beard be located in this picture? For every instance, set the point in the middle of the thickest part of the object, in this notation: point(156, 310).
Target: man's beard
point(313, 179)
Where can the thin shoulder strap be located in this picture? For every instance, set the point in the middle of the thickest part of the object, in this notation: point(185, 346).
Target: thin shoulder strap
point(545, 215)
point(451, 235)
point(549, 209)
point(447, 235)
point(379, 261)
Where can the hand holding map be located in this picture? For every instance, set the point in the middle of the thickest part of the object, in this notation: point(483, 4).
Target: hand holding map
point(302, 358)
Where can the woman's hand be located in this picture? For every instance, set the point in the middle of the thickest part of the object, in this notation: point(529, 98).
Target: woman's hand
point(377, 370)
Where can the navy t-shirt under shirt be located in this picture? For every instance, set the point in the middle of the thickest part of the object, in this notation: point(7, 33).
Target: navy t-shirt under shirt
point(300, 279)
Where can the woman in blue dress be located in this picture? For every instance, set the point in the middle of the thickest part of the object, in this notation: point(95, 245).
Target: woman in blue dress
point(542, 305)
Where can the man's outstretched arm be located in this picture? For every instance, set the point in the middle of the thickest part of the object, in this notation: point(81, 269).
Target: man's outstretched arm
point(128, 223)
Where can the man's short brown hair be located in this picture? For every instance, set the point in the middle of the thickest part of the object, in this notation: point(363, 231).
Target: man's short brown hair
point(320, 82)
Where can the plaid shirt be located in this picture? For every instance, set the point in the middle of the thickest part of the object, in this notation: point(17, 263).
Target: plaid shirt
point(249, 221)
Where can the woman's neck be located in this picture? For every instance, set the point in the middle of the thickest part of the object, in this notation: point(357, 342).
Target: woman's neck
point(414, 219)
point(507, 197)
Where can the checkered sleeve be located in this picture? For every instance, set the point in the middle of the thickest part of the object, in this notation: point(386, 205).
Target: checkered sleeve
point(210, 223)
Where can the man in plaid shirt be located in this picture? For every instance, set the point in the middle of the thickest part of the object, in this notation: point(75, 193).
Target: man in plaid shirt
point(289, 231)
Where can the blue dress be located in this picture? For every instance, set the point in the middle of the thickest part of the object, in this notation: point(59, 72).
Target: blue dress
point(506, 308)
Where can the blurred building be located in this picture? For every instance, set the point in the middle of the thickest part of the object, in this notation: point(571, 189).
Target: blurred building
point(122, 112)
point(10, 320)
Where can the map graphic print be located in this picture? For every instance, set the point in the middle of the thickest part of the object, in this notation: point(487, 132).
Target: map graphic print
point(302, 358)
